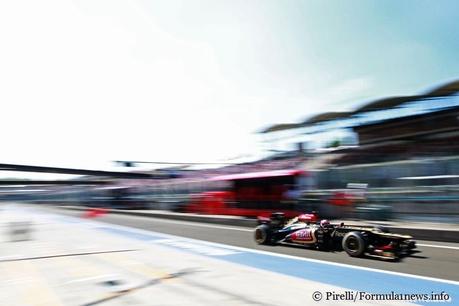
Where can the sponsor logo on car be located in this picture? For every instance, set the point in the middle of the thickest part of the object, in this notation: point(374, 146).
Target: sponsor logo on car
point(305, 235)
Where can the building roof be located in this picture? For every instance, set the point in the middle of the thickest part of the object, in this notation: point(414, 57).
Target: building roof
point(325, 117)
point(444, 90)
point(384, 103)
point(280, 127)
point(448, 89)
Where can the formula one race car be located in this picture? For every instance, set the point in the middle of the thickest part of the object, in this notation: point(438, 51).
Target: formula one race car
point(356, 240)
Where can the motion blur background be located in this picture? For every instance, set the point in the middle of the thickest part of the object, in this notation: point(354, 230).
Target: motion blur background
point(141, 139)
point(233, 107)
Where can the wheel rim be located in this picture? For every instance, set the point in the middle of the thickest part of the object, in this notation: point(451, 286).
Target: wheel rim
point(259, 235)
point(352, 244)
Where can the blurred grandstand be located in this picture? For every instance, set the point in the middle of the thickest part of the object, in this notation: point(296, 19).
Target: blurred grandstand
point(401, 151)
point(406, 152)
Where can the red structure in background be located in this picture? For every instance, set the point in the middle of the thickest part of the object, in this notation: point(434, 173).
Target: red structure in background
point(341, 199)
point(94, 212)
point(251, 194)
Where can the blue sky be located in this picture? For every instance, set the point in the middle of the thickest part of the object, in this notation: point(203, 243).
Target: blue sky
point(306, 48)
point(86, 82)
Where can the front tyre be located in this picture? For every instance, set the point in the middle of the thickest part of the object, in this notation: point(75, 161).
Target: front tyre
point(263, 234)
point(354, 244)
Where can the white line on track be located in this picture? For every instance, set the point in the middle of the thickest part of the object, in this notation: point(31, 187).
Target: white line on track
point(242, 249)
point(234, 228)
point(226, 227)
point(93, 222)
point(438, 246)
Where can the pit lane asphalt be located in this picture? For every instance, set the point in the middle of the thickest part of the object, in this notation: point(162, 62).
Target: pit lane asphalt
point(439, 262)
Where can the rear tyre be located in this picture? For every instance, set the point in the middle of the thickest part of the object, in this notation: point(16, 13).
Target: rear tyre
point(263, 234)
point(353, 244)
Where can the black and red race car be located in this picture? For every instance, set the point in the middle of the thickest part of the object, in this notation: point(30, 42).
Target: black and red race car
point(356, 241)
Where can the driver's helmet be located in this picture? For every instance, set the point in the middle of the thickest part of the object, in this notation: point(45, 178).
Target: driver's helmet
point(324, 223)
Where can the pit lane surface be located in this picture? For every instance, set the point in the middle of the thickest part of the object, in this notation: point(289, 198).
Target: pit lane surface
point(438, 260)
